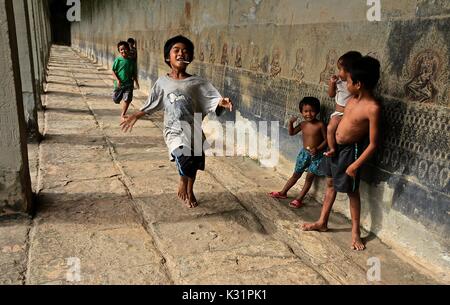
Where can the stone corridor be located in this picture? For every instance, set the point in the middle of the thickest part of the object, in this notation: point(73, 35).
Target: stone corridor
point(107, 205)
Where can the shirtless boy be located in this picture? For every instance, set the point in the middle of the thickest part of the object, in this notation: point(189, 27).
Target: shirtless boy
point(361, 119)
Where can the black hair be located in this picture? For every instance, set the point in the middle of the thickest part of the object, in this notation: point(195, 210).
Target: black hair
point(348, 59)
point(174, 40)
point(366, 70)
point(131, 40)
point(123, 43)
point(311, 101)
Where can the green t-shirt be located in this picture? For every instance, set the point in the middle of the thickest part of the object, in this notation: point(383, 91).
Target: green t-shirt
point(125, 70)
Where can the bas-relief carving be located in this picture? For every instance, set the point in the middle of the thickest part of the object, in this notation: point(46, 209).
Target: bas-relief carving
point(224, 59)
point(330, 67)
point(255, 63)
point(238, 61)
point(421, 87)
point(275, 66)
point(212, 54)
point(297, 72)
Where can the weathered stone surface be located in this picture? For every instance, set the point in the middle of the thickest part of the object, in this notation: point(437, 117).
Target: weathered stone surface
point(106, 255)
point(13, 250)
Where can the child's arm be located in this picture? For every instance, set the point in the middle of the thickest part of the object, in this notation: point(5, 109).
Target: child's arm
point(374, 116)
point(137, 82)
point(293, 131)
point(154, 103)
point(116, 78)
point(332, 86)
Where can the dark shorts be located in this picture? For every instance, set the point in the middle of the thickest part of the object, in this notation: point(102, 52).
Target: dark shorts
point(336, 167)
point(123, 93)
point(187, 163)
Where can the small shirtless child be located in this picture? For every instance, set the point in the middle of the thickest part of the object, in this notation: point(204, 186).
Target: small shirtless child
point(361, 119)
point(309, 158)
point(337, 88)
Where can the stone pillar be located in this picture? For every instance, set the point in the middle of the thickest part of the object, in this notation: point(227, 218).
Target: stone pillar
point(26, 69)
point(35, 53)
point(15, 184)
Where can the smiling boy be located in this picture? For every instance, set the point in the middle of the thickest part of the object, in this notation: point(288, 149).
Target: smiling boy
point(181, 96)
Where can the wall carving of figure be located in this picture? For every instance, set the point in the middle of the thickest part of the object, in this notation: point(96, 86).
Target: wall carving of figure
point(238, 61)
point(224, 59)
point(297, 72)
point(425, 68)
point(275, 66)
point(254, 63)
point(201, 56)
point(330, 67)
point(212, 54)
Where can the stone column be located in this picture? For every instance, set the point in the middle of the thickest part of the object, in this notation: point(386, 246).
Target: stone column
point(15, 184)
point(26, 69)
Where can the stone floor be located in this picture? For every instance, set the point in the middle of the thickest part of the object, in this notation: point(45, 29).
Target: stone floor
point(108, 209)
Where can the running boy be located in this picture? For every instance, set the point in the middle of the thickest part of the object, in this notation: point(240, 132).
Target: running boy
point(314, 139)
point(124, 77)
point(182, 96)
point(337, 88)
point(361, 118)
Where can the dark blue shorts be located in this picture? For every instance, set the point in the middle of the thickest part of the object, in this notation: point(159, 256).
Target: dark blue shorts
point(187, 163)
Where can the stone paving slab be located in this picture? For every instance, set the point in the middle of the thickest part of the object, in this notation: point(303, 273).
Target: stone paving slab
point(234, 268)
point(62, 153)
point(13, 250)
point(114, 256)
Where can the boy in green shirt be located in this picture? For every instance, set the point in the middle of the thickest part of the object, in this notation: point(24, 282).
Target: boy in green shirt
point(124, 77)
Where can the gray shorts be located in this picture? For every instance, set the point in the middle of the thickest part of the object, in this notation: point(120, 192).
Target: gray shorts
point(123, 93)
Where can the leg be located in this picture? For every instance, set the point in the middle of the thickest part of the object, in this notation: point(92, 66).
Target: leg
point(182, 189)
point(355, 212)
point(191, 200)
point(322, 224)
point(290, 183)
point(306, 187)
point(331, 135)
point(125, 106)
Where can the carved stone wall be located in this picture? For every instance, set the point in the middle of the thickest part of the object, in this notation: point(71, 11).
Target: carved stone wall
point(268, 54)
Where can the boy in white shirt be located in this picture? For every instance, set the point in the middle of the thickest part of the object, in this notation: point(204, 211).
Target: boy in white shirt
point(182, 96)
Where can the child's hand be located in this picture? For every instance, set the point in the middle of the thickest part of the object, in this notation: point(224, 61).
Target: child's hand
point(128, 122)
point(293, 120)
point(312, 151)
point(333, 81)
point(351, 171)
point(119, 84)
point(226, 103)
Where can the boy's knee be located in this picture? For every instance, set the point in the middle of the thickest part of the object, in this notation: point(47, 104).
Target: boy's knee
point(330, 183)
point(310, 177)
point(296, 176)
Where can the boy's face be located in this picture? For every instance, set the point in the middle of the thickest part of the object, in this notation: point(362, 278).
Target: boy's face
point(342, 73)
point(353, 88)
point(123, 51)
point(308, 113)
point(179, 55)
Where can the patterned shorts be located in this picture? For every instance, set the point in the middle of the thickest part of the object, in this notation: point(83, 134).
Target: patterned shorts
point(306, 162)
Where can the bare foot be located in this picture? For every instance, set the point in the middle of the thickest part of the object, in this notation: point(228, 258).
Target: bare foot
point(182, 192)
point(357, 243)
point(330, 153)
point(192, 201)
point(314, 227)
